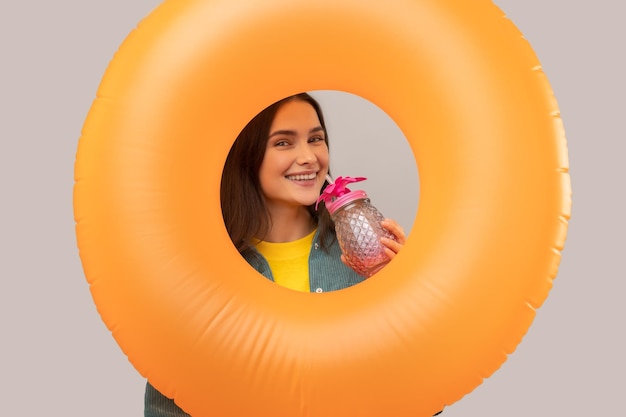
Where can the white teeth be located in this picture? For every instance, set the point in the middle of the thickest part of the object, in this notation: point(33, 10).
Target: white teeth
point(301, 177)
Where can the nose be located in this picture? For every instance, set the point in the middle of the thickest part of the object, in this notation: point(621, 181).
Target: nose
point(305, 155)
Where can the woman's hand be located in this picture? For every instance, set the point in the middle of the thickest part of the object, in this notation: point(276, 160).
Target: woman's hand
point(392, 247)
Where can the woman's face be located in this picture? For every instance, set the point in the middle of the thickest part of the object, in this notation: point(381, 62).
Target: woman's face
point(296, 157)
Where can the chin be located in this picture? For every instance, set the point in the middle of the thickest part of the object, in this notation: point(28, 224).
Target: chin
point(308, 201)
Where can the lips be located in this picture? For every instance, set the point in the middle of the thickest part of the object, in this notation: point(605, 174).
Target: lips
point(302, 177)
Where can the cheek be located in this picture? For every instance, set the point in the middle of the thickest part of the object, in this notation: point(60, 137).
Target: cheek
point(271, 163)
point(272, 169)
point(322, 157)
point(265, 173)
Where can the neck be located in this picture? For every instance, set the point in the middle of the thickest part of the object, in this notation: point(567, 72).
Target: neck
point(289, 224)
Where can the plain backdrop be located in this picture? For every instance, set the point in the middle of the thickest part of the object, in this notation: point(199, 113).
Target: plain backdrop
point(57, 357)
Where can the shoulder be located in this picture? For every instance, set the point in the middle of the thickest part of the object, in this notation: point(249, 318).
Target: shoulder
point(158, 405)
point(258, 262)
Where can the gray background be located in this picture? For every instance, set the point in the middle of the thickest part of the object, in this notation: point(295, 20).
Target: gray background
point(57, 358)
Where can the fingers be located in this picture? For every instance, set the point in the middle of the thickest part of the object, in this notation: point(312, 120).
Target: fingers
point(395, 229)
point(392, 247)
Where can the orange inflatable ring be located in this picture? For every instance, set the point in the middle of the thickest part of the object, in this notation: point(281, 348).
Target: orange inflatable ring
point(204, 328)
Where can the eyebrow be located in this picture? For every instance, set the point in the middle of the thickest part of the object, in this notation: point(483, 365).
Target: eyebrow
point(293, 132)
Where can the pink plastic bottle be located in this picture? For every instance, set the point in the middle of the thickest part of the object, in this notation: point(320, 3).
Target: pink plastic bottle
point(358, 226)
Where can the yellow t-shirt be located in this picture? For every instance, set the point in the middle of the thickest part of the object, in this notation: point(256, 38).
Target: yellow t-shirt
point(289, 261)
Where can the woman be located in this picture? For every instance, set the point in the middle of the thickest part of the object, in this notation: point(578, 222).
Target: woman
point(272, 178)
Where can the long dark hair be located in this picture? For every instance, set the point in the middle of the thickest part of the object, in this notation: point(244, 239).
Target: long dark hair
point(243, 206)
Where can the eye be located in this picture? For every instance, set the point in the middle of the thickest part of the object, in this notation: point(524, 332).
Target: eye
point(316, 139)
point(281, 143)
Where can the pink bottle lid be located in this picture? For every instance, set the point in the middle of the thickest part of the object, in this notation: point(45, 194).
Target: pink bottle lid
point(347, 198)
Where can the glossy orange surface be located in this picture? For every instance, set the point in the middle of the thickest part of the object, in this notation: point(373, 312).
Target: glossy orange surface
point(469, 94)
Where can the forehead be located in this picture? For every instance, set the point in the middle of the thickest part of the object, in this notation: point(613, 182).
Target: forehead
point(295, 114)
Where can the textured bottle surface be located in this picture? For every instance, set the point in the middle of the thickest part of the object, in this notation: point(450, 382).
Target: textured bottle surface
point(358, 229)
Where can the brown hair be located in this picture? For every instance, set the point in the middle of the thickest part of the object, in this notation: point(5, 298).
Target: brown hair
point(243, 206)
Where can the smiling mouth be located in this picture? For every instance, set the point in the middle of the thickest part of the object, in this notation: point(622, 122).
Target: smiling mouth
point(303, 177)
